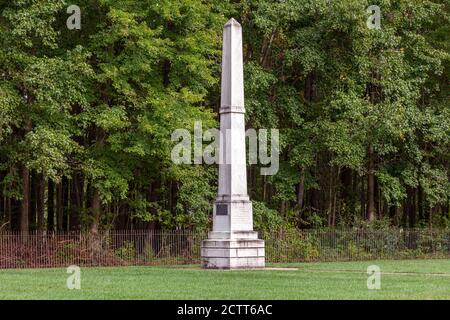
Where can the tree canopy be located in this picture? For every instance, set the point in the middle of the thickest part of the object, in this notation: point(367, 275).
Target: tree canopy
point(86, 115)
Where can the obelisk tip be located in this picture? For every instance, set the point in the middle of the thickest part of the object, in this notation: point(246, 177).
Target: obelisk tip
point(232, 22)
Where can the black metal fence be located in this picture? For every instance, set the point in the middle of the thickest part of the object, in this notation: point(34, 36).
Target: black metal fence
point(150, 247)
point(346, 245)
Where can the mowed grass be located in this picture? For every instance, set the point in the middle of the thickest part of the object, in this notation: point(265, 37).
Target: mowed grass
point(406, 279)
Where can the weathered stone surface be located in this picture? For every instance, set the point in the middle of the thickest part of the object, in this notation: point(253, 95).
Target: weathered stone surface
point(234, 254)
point(249, 234)
point(232, 243)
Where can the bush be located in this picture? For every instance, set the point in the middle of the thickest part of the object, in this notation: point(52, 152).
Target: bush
point(126, 252)
point(265, 219)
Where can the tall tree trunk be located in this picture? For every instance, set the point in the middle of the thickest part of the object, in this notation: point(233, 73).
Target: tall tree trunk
point(411, 206)
point(9, 213)
point(315, 199)
point(362, 197)
point(330, 198)
point(66, 204)
point(61, 201)
point(346, 182)
point(405, 213)
point(301, 190)
point(310, 90)
point(25, 175)
point(75, 201)
point(377, 199)
point(370, 213)
point(2, 201)
point(430, 218)
point(32, 202)
point(420, 204)
point(309, 93)
point(50, 206)
point(96, 207)
point(265, 48)
point(335, 192)
point(25, 203)
point(353, 199)
point(283, 206)
point(392, 213)
point(40, 199)
point(16, 209)
point(2, 210)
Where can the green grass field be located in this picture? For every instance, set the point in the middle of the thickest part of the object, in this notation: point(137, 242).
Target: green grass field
point(406, 279)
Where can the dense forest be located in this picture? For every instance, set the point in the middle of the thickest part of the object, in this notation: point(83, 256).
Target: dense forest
point(86, 114)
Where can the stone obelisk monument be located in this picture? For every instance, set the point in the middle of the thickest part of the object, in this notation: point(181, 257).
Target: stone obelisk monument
point(232, 243)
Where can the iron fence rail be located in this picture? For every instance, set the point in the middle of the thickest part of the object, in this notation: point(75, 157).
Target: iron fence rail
point(347, 245)
point(155, 247)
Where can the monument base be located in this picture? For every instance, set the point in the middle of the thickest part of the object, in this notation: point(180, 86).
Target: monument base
point(233, 250)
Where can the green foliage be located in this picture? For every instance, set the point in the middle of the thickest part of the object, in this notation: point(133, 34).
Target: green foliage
point(265, 219)
point(101, 103)
point(392, 188)
point(335, 88)
point(126, 252)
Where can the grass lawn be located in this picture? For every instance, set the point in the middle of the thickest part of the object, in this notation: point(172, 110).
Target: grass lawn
point(406, 279)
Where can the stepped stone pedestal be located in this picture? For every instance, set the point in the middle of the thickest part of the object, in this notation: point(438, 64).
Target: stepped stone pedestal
point(240, 249)
point(232, 243)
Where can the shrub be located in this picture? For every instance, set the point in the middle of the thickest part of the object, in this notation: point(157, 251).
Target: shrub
point(126, 252)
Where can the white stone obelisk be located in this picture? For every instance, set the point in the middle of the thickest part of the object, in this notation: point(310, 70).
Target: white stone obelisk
point(232, 243)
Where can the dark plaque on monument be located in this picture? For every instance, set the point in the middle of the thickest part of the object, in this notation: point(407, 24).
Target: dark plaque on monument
point(221, 209)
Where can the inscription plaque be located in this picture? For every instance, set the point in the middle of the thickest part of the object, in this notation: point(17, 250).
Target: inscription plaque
point(221, 209)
